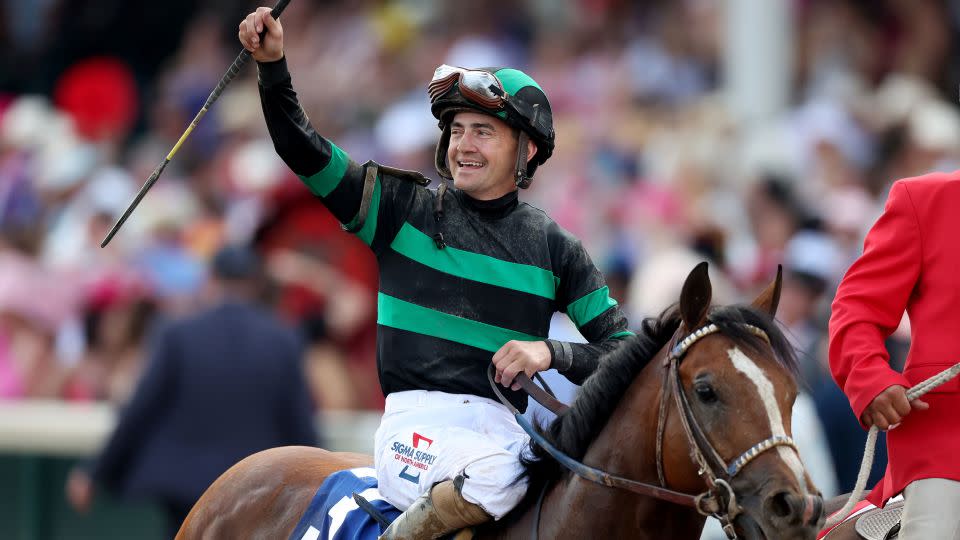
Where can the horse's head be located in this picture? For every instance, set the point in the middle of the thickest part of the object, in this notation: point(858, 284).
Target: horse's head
point(732, 414)
point(710, 392)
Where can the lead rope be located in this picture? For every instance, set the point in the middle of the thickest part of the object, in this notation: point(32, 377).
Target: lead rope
point(871, 446)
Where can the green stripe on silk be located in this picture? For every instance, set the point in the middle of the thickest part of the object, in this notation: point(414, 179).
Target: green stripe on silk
point(403, 315)
point(329, 177)
point(414, 244)
point(590, 306)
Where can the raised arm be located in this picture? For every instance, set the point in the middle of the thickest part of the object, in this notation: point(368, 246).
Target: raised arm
point(340, 183)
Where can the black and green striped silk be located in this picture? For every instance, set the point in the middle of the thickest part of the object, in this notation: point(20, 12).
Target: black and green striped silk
point(443, 313)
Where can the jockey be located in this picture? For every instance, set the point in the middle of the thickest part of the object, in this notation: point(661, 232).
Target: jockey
point(469, 276)
point(909, 263)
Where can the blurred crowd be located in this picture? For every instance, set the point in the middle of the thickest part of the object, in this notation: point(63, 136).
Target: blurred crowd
point(650, 171)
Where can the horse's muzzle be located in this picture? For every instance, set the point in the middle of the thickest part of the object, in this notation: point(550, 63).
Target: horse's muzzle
point(792, 515)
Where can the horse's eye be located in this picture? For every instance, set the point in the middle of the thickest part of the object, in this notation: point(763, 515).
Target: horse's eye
point(705, 393)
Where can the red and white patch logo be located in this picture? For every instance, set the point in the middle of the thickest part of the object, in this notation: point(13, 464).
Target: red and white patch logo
point(414, 456)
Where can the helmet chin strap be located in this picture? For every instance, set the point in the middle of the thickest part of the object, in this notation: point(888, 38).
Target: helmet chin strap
point(440, 160)
point(523, 181)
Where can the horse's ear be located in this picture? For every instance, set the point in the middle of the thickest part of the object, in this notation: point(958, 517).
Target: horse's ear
point(769, 299)
point(695, 297)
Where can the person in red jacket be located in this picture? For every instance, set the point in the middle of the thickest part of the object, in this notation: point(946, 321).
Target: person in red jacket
point(911, 263)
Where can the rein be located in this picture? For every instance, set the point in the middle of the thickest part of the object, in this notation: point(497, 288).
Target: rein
point(585, 471)
point(543, 396)
point(719, 501)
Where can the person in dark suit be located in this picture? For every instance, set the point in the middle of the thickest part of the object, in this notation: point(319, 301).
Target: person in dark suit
point(220, 385)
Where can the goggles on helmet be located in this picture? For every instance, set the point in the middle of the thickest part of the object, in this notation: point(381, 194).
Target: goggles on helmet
point(485, 90)
point(480, 87)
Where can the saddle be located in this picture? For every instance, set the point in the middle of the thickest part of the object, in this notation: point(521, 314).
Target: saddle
point(873, 524)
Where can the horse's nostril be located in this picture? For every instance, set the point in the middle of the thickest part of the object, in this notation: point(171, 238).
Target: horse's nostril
point(779, 506)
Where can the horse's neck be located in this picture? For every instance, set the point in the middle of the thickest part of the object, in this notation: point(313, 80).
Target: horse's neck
point(578, 508)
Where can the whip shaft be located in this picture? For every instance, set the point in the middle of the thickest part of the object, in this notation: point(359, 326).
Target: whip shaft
point(231, 73)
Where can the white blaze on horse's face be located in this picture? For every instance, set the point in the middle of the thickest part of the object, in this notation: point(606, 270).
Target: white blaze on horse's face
point(748, 367)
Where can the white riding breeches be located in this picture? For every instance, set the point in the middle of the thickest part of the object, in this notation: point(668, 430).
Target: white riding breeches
point(930, 510)
point(427, 437)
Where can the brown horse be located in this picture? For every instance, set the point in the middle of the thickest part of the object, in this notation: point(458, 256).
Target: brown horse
point(710, 414)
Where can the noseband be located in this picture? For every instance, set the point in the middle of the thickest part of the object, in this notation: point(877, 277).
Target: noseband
point(719, 501)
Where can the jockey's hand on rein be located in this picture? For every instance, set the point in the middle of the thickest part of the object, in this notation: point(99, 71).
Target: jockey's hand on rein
point(517, 357)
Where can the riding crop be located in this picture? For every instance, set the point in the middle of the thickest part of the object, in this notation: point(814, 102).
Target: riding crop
point(865, 466)
point(240, 61)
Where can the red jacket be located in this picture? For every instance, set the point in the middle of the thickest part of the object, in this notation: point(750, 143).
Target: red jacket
point(910, 261)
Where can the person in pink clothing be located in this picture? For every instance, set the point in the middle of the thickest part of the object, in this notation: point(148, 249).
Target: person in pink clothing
point(911, 264)
point(11, 381)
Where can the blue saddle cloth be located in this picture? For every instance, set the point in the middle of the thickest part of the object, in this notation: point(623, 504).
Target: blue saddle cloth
point(334, 515)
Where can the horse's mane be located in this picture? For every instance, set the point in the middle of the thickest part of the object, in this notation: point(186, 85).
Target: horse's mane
point(573, 431)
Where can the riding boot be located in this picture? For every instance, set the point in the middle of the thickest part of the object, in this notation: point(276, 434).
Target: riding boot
point(438, 512)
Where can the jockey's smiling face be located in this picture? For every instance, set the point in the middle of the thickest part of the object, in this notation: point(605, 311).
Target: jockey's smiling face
point(482, 155)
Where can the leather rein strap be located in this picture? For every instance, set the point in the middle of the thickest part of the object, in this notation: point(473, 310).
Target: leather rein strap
point(543, 396)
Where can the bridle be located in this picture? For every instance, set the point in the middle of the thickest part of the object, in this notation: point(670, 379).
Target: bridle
point(719, 500)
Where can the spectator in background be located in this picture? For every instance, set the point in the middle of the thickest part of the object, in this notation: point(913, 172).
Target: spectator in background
point(219, 386)
point(775, 214)
point(811, 264)
point(117, 313)
point(327, 282)
point(29, 363)
point(334, 382)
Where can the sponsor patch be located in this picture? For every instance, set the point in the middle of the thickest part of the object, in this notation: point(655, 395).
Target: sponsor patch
point(414, 456)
